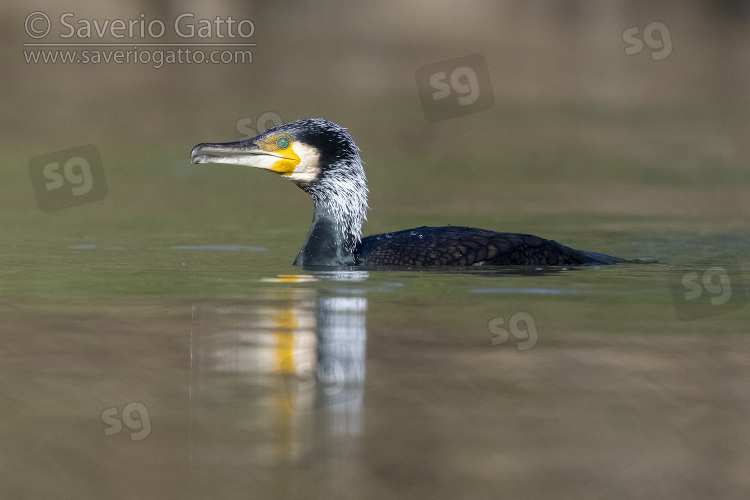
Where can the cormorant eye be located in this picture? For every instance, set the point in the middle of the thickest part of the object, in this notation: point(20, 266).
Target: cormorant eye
point(282, 142)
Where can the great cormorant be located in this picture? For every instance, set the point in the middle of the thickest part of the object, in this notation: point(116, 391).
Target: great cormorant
point(322, 159)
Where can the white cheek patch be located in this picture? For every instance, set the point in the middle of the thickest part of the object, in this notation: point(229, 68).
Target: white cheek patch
point(307, 169)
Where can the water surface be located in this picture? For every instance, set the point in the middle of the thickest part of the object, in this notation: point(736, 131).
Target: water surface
point(215, 371)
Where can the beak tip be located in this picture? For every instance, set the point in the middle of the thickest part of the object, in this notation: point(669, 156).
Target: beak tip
point(195, 156)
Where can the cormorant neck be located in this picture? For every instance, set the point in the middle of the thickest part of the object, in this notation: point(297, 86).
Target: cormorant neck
point(326, 244)
point(340, 208)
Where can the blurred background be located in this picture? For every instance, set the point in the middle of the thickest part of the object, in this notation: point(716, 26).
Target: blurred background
point(594, 116)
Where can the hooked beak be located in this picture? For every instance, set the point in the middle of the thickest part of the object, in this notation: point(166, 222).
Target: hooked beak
point(244, 153)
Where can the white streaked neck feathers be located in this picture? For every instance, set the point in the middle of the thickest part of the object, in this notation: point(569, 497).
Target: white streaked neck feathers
point(342, 192)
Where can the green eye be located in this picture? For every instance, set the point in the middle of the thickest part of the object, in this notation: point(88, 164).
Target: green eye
point(282, 142)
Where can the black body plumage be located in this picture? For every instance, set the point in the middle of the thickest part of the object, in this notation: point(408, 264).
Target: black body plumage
point(468, 246)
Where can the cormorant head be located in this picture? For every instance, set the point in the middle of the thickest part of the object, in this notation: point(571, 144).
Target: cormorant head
point(321, 158)
point(308, 152)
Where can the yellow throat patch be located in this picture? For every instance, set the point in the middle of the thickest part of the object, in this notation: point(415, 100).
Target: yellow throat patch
point(281, 144)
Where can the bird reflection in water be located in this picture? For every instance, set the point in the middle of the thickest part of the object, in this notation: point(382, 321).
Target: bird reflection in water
point(298, 354)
